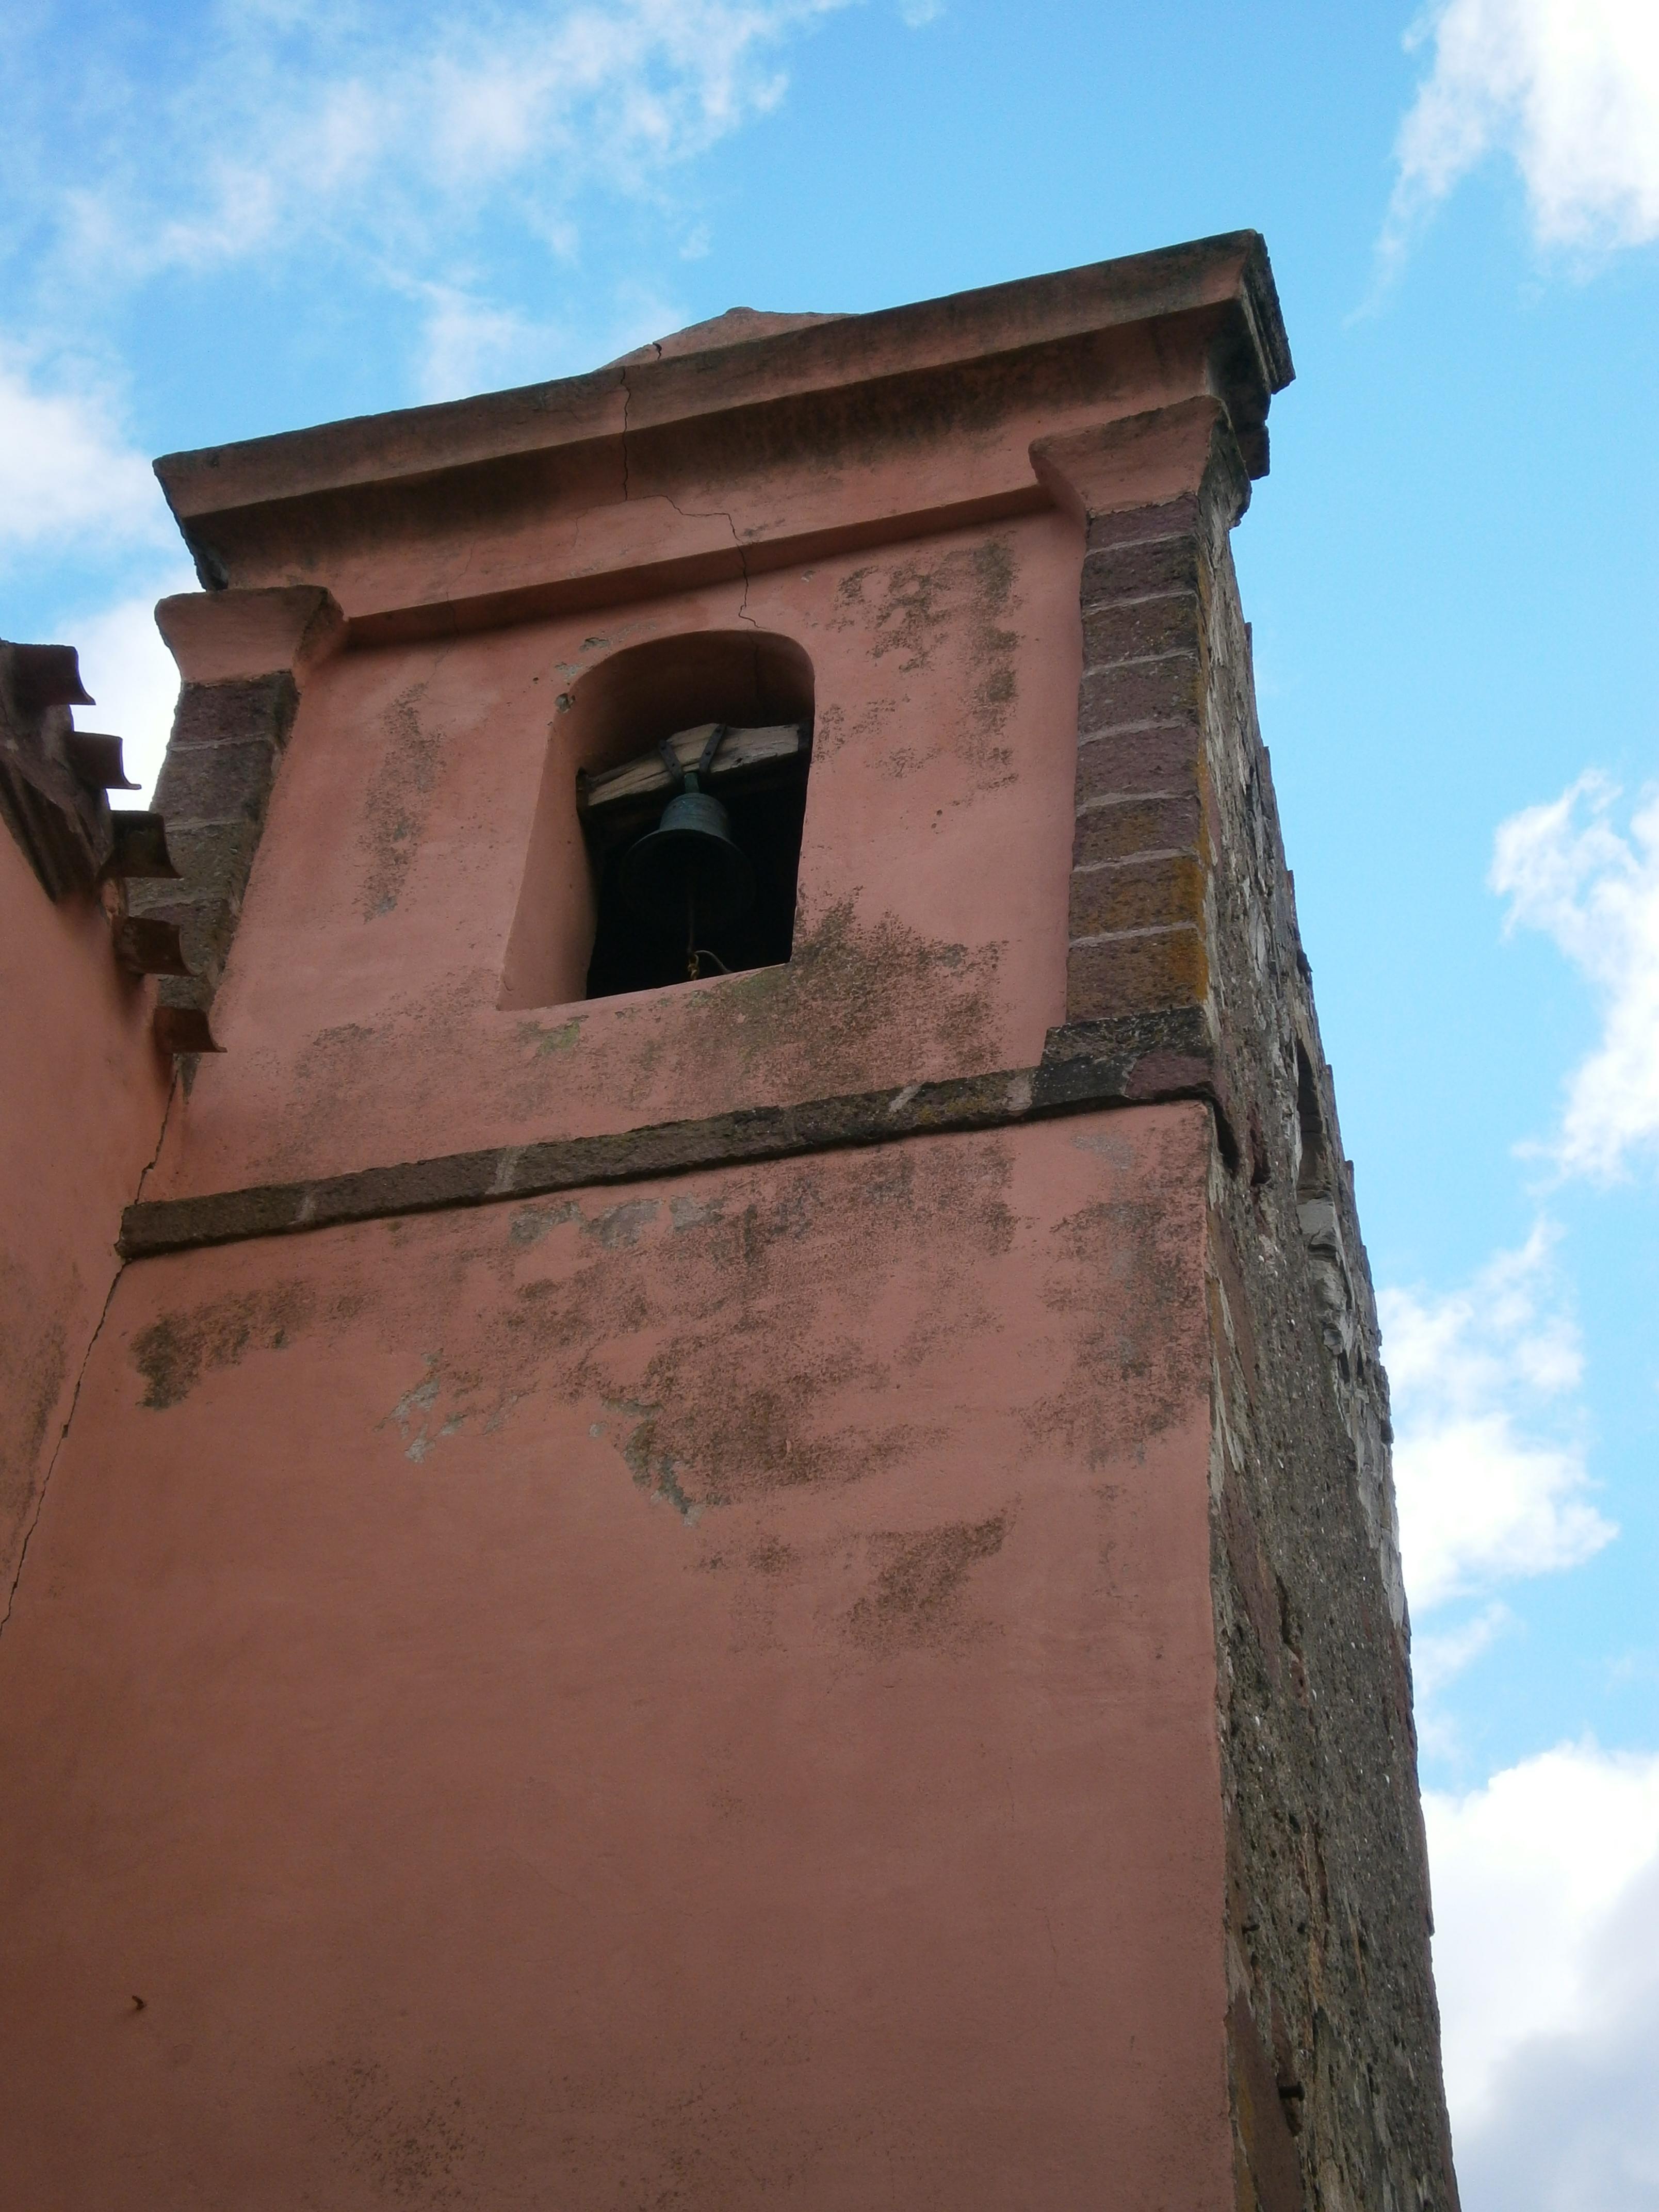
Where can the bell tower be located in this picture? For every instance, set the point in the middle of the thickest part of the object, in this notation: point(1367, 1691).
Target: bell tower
point(728, 1540)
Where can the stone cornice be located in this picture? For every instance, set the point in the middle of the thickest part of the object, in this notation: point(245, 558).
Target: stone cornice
point(932, 334)
point(626, 452)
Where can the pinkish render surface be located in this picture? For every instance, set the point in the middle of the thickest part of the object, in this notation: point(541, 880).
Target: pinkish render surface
point(81, 1110)
point(362, 1010)
point(701, 1693)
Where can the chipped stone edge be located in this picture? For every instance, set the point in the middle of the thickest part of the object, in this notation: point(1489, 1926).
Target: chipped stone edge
point(1136, 1060)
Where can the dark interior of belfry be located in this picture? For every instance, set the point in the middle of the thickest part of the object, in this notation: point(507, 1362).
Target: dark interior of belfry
point(720, 897)
point(640, 944)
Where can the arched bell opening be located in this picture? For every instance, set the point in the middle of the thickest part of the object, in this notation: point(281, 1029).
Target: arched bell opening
point(678, 767)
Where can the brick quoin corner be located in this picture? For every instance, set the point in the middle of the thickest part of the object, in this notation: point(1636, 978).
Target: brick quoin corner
point(773, 1589)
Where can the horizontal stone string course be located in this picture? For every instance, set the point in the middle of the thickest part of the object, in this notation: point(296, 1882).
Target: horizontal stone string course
point(1139, 869)
point(1088, 1067)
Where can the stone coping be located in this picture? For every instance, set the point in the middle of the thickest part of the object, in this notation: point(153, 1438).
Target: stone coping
point(1230, 271)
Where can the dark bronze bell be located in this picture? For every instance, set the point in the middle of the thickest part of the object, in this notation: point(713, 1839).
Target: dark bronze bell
point(689, 872)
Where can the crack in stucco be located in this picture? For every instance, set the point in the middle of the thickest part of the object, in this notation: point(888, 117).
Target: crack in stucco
point(160, 1139)
point(63, 1438)
point(86, 1361)
point(722, 514)
point(686, 514)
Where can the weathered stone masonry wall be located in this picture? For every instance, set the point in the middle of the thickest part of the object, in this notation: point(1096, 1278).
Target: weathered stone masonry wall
point(1181, 898)
point(215, 788)
point(1330, 1942)
point(244, 657)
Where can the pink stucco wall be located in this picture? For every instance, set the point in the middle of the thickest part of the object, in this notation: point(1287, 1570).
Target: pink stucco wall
point(81, 1104)
point(695, 1695)
point(699, 1694)
point(362, 1013)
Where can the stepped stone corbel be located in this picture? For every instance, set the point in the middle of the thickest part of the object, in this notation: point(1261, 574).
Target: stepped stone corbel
point(55, 782)
point(244, 656)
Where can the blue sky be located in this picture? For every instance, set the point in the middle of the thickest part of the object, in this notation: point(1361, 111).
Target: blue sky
point(221, 220)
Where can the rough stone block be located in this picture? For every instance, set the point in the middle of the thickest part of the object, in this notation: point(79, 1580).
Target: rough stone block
point(1132, 629)
point(260, 706)
point(1136, 974)
point(1135, 571)
point(1137, 895)
point(1132, 525)
point(1124, 827)
point(1161, 691)
point(183, 992)
point(213, 858)
point(205, 926)
point(215, 783)
point(1164, 758)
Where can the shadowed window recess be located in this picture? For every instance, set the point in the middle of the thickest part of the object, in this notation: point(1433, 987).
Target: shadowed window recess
point(695, 847)
point(711, 729)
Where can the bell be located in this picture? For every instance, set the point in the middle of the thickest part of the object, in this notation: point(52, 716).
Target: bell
point(690, 865)
point(689, 872)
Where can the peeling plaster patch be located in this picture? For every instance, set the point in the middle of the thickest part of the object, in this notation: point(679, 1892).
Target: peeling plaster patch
point(33, 1367)
point(825, 1016)
point(654, 1469)
point(753, 1354)
point(829, 731)
point(530, 1224)
point(771, 1556)
point(855, 997)
point(621, 1227)
point(921, 1582)
point(544, 1043)
point(415, 1410)
point(174, 1350)
point(921, 603)
point(414, 1405)
point(1134, 1257)
point(733, 1359)
point(1115, 1149)
point(693, 1213)
point(765, 1572)
point(396, 803)
point(340, 1074)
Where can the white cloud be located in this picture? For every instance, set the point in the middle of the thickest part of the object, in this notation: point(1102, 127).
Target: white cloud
point(469, 346)
point(1490, 1486)
point(397, 127)
point(1568, 89)
point(132, 676)
point(1439, 1656)
point(1546, 1958)
point(1567, 871)
point(66, 472)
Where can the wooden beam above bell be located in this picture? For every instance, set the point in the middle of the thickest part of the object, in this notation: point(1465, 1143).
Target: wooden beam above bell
point(646, 777)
